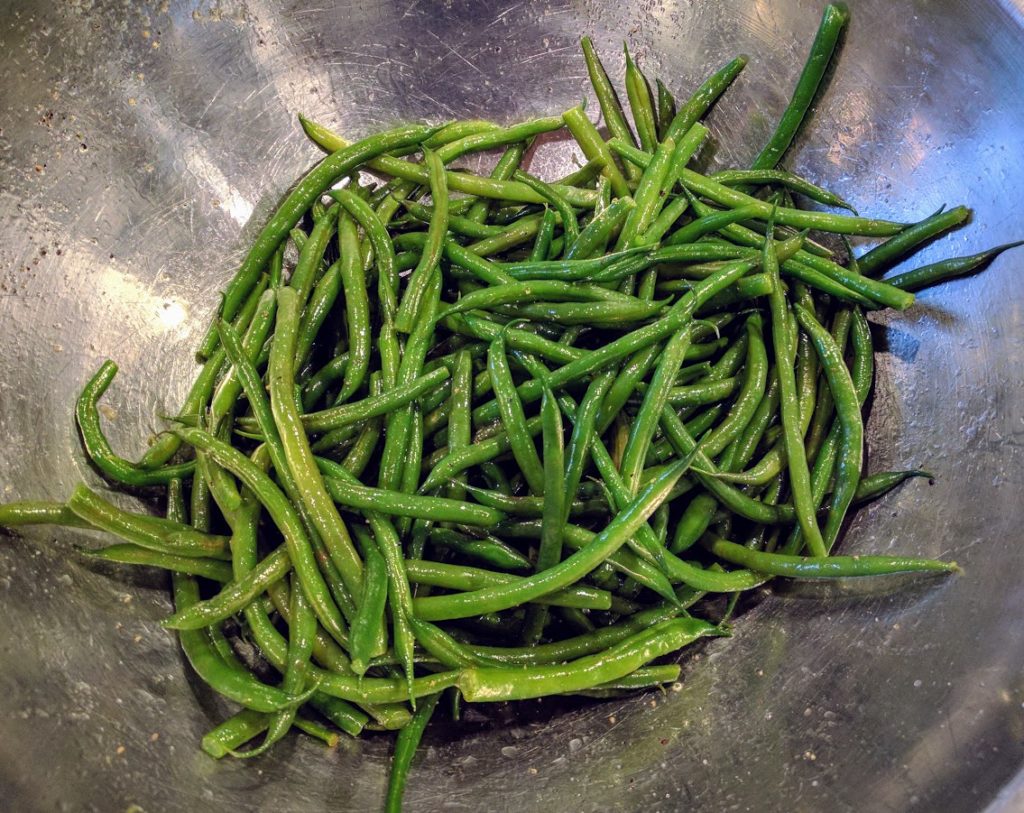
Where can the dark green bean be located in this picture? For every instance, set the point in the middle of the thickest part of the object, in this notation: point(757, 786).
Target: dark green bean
point(833, 20)
point(884, 256)
point(943, 270)
point(705, 96)
point(405, 748)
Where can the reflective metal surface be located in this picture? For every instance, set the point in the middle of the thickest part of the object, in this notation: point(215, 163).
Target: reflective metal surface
point(141, 146)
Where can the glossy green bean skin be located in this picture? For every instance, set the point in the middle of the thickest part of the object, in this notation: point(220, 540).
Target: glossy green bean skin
point(97, 446)
point(793, 182)
point(594, 148)
point(129, 554)
point(943, 270)
point(405, 747)
point(410, 307)
point(310, 488)
point(488, 684)
point(570, 226)
point(231, 681)
point(286, 519)
point(833, 20)
point(512, 415)
point(607, 98)
point(796, 456)
point(810, 567)
point(705, 96)
point(851, 449)
point(567, 571)
point(798, 218)
point(367, 626)
point(641, 104)
point(892, 250)
point(314, 184)
point(395, 503)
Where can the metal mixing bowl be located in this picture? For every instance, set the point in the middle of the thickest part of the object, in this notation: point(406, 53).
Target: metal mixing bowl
point(142, 144)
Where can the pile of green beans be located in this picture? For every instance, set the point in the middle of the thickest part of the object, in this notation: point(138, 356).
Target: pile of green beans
point(503, 437)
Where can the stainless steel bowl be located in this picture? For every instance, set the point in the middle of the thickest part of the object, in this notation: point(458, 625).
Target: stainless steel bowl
point(141, 146)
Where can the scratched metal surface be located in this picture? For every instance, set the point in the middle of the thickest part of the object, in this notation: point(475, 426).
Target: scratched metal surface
point(141, 146)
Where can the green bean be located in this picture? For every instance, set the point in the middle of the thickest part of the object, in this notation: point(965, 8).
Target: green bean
point(247, 724)
point(545, 233)
point(315, 388)
point(678, 315)
point(359, 456)
point(395, 503)
point(39, 512)
point(370, 407)
point(877, 485)
point(570, 226)
point(286, 519)
point(309, 485)
point(586, 417)
point(705, 96)
point(491, 684)
point(577, 269)
point(226, 394)
point(943, 270)
point(668, 217)
point(495, 137)
point(464, 578)
point(416, 288)
point(595, 236)
point(594, 148)
point(554, 516)
point(611, 108)
point(833, 20)
point(312, 254)
point(666, 109)
point(130, 554)
point(804, 262)
point(494, 188)
point(405, 748)
point(152, 533)
point(512, 416)
point(749, 396)
point(97, 446)
point(357, 308)
point(811, 567)
point(566, 572)
point(233, 682)
point(641, 103)
point(503, 169)
point(884, 256)
point(516, 293)
point(692, 232)
point(489, 550)
point(234, 597)
point(731, 177)
point(799, 218)
point(851, 451)
point(367, 627)
point(310, 188)
point(655, 399)
point(799, 475)
point(398, 422)
point(533, 506)
point(649, 195)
